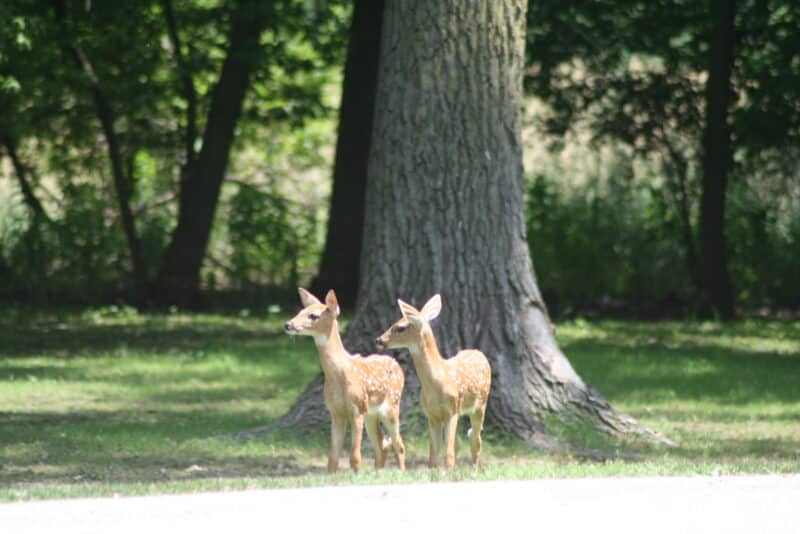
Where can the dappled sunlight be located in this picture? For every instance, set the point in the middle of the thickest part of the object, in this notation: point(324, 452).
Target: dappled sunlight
point(92, 410)
point(141, 399)
point(725, 392)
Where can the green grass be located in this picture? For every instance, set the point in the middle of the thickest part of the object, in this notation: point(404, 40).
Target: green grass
point(110, 402)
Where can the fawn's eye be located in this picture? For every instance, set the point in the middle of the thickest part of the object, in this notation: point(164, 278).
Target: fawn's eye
point(313, 316)
point(400, 329)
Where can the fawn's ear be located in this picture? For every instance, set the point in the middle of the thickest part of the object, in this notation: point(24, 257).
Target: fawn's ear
point(432, 308)
point(332, 303)
point(307, 298)
point(409, 312)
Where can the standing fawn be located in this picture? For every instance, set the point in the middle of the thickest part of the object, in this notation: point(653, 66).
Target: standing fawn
point(364, 391)
point(449, 387)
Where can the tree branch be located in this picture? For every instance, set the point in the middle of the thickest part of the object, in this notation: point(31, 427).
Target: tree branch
point(25, 186)
point(122, 183)
point(185, 75)
point(679, 169)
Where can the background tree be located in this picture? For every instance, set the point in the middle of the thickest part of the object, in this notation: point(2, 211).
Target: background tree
point(445, 213)
point(152, 90)
point(201, 180)
point(106, 116)
point(716, 282)
point(634, 73)
point(339, 266)
point(617, 89)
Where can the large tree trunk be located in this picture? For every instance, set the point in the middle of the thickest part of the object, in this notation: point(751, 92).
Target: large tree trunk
point(339, 267)
point(445, 201)
point(179, 278)
point(717, 293)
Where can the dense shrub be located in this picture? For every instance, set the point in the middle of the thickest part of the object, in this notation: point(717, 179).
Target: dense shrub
point(619, 241)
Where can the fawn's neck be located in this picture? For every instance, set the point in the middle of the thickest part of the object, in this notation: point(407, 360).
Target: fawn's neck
point(332, 354)
point(428, 360)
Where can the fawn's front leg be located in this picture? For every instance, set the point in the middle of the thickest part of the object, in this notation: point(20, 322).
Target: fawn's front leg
point(435, 430)
point(450, 452)
point(338, 423)
point(357, 428)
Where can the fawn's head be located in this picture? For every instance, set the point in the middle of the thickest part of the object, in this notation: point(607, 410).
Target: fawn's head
point(316, 317)
point(408, 330)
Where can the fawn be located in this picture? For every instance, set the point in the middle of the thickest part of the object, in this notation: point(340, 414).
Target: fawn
point(363, 390)
point(449, 387)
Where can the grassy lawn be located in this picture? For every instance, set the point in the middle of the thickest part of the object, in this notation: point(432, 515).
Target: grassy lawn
point(109, 401)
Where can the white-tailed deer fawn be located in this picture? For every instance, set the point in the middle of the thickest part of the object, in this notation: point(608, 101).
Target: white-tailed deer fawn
point(362, 390)
point(449, 387)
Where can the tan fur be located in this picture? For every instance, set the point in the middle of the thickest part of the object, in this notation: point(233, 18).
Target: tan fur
point(365, 391)
point(449, 387)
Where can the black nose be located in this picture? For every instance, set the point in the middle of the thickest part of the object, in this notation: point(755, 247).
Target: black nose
point(288, 326)
point(378, 342)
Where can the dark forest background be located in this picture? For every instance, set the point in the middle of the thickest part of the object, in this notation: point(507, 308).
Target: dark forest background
point(169, 152)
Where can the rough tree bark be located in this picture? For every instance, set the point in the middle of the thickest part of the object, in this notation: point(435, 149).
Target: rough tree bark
point(717, 292)
point(179, 278)
point(445, 200)
point(339, 267)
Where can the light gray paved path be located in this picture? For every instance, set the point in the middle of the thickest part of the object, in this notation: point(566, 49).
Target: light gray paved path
point(752, 504)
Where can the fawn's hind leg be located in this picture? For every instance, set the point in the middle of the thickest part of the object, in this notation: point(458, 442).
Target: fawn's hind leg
point(376, 438)
point(476, 420)
point(392, 423)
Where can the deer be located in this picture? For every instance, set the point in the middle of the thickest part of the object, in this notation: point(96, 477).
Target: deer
point(449, 387)
point(364, 391)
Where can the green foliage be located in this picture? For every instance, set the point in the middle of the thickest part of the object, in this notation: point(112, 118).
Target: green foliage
point(615, 240)
point(78, 259)
point(48, 106)
point(765, 246)
point(624, 74)
point(607, 240)
point(633, 74)
point(270, 236)
point(635, 71)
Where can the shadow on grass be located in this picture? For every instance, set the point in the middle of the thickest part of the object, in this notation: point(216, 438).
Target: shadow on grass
point(760, 449)
point(723, 416)
point(653, 371)
point(90, 340)
point(714, 385)
point(158, 468)
point(755, 328)
point(191, 365)
point(142, 446)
